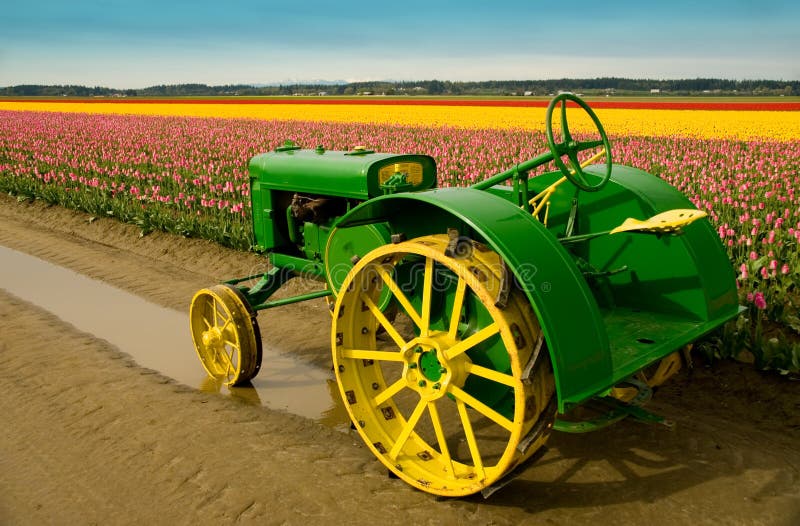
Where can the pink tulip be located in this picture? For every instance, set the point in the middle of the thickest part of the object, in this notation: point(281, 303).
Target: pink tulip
point(196, 169)
point(759, 301)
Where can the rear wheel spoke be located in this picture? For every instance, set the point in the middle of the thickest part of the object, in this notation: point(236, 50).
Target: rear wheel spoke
point(458, 304)
point(482, 408)
point(367, 354)
point(384, 322)
point(491, 374)
point(427, 290)
point(473, 340)
point(472, 444)
point(389, 392)
point(402, 438)
point(440, 438)
point(399, 296)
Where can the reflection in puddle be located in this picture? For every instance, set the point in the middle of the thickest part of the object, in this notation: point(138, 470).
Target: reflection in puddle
point(245, 393)
point(158, 338)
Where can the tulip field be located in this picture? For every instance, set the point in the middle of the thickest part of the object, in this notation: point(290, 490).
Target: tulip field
point(180, 172)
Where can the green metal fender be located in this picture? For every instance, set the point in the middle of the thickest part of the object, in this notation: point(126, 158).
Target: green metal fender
point(566, 309)
point(697, 256)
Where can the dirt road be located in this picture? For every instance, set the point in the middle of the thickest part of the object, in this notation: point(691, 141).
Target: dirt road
point(88, 437)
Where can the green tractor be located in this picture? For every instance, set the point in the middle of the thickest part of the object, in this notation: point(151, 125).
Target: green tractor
point(468, 323)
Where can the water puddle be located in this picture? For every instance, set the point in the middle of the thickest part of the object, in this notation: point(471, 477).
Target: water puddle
point(158, 338)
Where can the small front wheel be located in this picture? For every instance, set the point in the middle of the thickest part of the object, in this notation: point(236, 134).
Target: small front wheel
point(225, 334)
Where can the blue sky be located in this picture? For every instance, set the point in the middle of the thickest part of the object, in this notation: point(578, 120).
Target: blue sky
point(134, 44)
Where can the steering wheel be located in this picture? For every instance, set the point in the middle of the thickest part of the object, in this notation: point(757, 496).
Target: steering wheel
point(571, 147)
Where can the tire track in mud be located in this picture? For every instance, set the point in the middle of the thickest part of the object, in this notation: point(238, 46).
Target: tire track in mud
point(89, 437)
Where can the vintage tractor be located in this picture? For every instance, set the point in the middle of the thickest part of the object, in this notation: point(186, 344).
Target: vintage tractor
point(467, 323)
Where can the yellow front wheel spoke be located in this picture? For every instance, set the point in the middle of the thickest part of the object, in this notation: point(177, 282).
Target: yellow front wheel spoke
point(472, 444)
point(221, 313)
point(225, 359)
point(470, 342)
point(398, 294)
point(389, 392)
point(229, 335)
point(482, 408)
point(216, 312)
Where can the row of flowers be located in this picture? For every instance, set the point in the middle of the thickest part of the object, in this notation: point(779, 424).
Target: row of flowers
point(505, 102)
point(648, 122)
point(189, 176)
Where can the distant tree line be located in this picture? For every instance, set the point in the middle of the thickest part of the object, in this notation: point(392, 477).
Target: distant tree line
point(596, 86)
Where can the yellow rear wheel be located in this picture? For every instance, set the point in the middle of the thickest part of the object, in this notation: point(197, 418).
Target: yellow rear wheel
point(457, 390)
point(225, 334)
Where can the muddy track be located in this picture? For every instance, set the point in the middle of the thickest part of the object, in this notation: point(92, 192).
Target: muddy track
point(87, 436)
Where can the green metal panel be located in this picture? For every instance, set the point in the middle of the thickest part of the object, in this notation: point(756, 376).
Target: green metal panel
point(314, 239)
point(563, 303)
point(688, 276)
point(353, 174)
point(674, 289)
point(358, 174)
point(346, 243)
point(267, 232)
point(301, 266)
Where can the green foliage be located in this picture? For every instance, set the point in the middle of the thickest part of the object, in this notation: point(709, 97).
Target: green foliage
point(430, 87)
